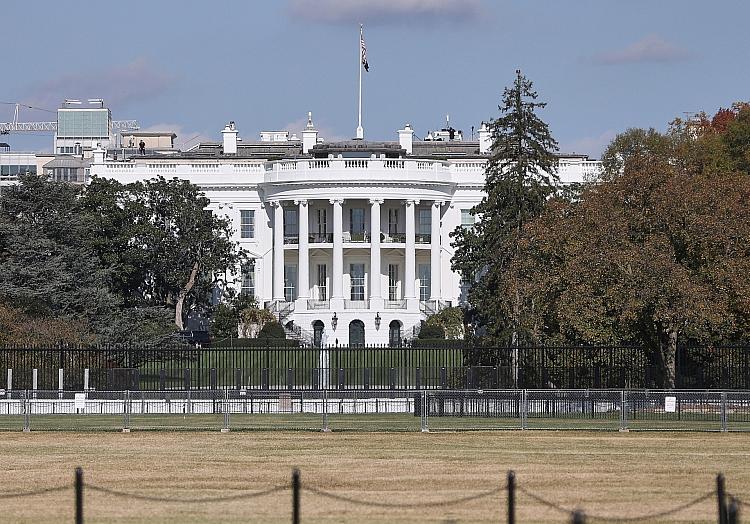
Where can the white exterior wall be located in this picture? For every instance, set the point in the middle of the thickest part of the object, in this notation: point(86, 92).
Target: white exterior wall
point(236, 184)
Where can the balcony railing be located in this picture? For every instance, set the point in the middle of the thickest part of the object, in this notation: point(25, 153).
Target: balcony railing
point(395, 304)
point(356, 237)
point(356, 304)
point(395, 238)
point(291, 239)
point(318, 304)
point(423, 238)
point(321, 238)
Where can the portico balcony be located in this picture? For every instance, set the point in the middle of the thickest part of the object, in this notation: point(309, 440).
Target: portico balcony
point(359, 237)
point(291, 239)
point(321, 238)
point(395, 304)
point(423, 238)
point(318, 304)
point(393, 238)
point(356, 304)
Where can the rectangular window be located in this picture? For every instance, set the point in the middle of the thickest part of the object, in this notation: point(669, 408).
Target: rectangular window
point(393, 221)
point(248, 279)
point(392, 281)
point(291, 228)
point(247, 223)
point(357, 276)
point(424, 282)
point(322, 222)
point(424, 221)
point(467, 219)
point(357, 220)
point(322, 282)
point(290, 283)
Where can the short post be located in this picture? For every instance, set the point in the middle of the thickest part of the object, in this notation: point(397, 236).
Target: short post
point(212, 378)
point(34, 380)
point(126, 411)
point(162, 379)
point(579, 517)
point(10, 380)
point(237, 378)
point(295, 496)
point(511, 497)
point(721, 498)
point(423, 412)
point(86, 379)
point(79, 496)
point(623, 411)
point(341, 379)
point(187, 379)
point(443, 378)
point(733, 512)
point(418, 377)
point(60, 383)
point(724, 411)
point(26, 413)
point(225, 409)
point(325, 429)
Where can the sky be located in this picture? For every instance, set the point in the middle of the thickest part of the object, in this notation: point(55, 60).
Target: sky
point(603, 66)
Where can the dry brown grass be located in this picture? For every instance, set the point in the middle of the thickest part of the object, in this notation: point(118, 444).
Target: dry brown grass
point(606, 473)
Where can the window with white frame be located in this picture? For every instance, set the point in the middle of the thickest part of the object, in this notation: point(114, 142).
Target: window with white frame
point(392, 281)
point(322, 222)
point(290, 283)
point(247, 223)
point(393, 221)
point(291, 227)
point(357, 276)
point(424, 282)
point(467, 218)
point(248, 279)
point(322, 282)
point(357, 220)
point(424, 221)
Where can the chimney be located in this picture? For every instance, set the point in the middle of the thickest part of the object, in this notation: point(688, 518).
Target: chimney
point(230, 139)
point(405, 138)
point(98, 154)
point(485, 139)
point(309, 135)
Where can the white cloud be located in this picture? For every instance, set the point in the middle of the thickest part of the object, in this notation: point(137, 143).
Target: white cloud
point(120, 86)
point(386, 12)
point(593, 146)
point(650, 48)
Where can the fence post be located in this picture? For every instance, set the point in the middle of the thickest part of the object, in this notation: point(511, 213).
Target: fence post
point(238, 378)
point(524, 408)
point(733, 512)
point(443, 378)
point(721, 498)
point(290, 378)
point(26, 412)
point(579, 517)
point(511, 497)
point(60, 383)
point(724, 415)
point(424, 421)
point(623, 411)
point(86, 379)
point(225, 409)
point(418, 376)
point(162, 379)
point(79, 496)
point(392, 378)
point(186, 378)
point(212, 378)
point(325, 429)
point(367, 378)
point(34, 380)
point(126, 411)
point(10, 381)
point(340, 380)
point(295, 496)
point(264, 378)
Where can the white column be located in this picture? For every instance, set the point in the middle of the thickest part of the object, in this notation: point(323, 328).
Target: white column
point(303, 269)
point(435, 251)
point(376, 298)
point(410, 253)
point(278, 251)
point(337, 278)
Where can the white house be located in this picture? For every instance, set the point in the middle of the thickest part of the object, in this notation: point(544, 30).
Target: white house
point(349, 240)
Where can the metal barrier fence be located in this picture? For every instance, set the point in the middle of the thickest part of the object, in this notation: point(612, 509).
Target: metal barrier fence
point(376, 410)
point(448, 366)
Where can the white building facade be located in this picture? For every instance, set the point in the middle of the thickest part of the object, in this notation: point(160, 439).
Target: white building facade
point(349, 241)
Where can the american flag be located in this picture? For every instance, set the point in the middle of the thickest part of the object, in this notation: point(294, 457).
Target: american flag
point(363, 50)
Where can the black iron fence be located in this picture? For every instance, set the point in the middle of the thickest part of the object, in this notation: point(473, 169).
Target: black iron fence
point(446, 366)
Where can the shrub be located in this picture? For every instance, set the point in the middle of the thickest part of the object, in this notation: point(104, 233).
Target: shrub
point(432, 332)
point(272, 331)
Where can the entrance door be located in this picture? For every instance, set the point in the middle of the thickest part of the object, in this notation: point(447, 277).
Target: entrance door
point(318, 333)
point(356, 333)
point(394, 334)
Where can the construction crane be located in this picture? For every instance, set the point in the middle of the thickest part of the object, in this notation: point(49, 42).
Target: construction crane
point(20, 127)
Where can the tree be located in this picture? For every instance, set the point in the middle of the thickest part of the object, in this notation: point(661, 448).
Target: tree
point(166, 248)
point(520, 177)
point(272, 331)
point(657, 255)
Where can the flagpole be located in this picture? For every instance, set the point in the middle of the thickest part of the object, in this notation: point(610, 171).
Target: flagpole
point(360, 131)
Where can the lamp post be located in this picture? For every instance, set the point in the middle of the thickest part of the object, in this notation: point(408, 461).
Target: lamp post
point(334, 321)
point(377, 320)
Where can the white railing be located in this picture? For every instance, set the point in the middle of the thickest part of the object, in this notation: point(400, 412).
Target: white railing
point(395, 304)
point(356, 304)
point(393, 164)
point(318, 304)
point(356, 164)
point(318, 164)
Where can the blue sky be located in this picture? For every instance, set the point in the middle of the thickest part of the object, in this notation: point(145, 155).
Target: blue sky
point(602, 65)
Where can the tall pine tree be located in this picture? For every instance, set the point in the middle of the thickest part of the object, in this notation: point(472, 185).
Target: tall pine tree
point(520, 177)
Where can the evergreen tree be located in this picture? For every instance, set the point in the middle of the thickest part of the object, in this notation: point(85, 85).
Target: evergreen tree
point(520, 177)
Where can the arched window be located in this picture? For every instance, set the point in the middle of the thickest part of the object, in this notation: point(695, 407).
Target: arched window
point(318, 328)
point(394, 333)
point(356, 333)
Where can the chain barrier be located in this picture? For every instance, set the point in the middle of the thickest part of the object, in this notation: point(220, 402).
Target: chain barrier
point(33, 493)
point(151, 498)
point(405, 505)
point(605, 518)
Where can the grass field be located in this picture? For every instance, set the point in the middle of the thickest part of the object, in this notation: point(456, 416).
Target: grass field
point(605, 473)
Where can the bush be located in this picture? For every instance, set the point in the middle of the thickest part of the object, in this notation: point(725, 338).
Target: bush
point(272, 331)
point(451, 319)
point(432, 332)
